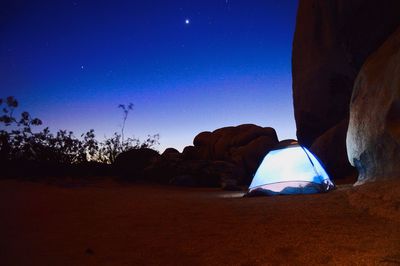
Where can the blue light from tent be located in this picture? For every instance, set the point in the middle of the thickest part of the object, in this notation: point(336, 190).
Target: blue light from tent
point(289, 164)
point(323, 175)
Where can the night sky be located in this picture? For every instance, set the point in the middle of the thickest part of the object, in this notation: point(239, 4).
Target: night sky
point(187, 66)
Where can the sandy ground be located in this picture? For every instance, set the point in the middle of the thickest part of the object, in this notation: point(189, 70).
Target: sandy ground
point(106, 223)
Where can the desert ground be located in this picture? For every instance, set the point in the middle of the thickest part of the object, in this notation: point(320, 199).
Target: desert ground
point(108, 223)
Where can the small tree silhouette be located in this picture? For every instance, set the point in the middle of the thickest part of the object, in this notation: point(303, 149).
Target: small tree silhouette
point(125, 110)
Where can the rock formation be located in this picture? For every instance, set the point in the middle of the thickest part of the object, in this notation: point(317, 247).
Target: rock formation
point(373, 137)
point(332, 40)
point(131, 164)
point(330, 148)
point(226, 157)
point(244, 145)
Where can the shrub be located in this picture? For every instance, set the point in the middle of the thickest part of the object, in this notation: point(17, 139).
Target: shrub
point(18, 141)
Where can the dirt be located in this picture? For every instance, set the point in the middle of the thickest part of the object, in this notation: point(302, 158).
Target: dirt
point(106, 223)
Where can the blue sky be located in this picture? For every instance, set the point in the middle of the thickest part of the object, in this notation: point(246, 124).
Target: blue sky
point(71, 63)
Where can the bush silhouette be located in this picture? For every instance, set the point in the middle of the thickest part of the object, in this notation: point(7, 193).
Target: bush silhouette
point(19, 141)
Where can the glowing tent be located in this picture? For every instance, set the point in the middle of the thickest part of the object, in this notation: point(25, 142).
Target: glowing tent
point(290, 169)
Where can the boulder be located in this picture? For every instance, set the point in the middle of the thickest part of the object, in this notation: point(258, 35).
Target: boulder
point(163, 169)
point(131, 164)
point(224, 136)
point(170, 151)
point(202, 139)
point(332, 40)
point(249, 157)
point(373, 139)
point(217, 145)
point(202, 173)
point(248, 132)
point(244, 145)
point(191, 153)
point(194, 173)
point(330, 148)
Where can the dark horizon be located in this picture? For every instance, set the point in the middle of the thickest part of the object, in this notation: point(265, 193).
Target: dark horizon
point(188, 66)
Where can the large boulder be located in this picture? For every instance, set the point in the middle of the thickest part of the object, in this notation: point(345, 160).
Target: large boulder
point(332, 40)
point(131, 164)
point(373, 137)
point(202, 173)
point(171, 152)
point(191, 153)
point(244, 145)
point(330, 148)
point(249, 156)
point(195, 173)
point(217, 145)
point(202, 138)
point(163, 168)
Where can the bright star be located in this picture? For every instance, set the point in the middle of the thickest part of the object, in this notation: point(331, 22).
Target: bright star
point(187, 21)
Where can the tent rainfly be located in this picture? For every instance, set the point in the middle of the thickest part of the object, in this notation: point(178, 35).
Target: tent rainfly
point(290, 169)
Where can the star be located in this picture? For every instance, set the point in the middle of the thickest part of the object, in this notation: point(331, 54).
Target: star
point(187, 21)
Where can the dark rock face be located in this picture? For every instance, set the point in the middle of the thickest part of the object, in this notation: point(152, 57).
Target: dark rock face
point(190, 153)
point(249, 156)
point(202, 173)
point(330, 148)
point(170, 152)
point(226, 157)
point(221, 143)
point(195, 173)
point(131, 164)
point(163, 168)
point(373, 137)
point(332, 40)
point(244, 145)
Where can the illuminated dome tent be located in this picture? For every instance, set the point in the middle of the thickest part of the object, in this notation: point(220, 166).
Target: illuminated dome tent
point(290, 169)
